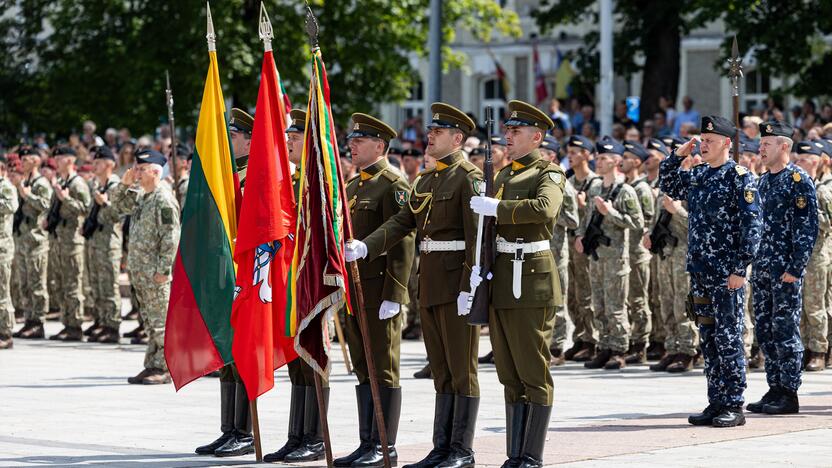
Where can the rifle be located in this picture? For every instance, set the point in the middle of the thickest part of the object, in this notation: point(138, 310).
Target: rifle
point(53, 217)
point(486, 248)
point(594, 235)
point(661, 236)
point(18, 219)
point(169, 102)
point(735, 73)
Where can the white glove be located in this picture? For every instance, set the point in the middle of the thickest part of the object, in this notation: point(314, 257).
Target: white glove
point(476, 277)
point(388, 310)
point(354, 250)
point(484, 205)
point(462, 304)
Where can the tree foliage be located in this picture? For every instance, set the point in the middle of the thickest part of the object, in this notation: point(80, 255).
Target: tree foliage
point(788, 38)
point(68, 60)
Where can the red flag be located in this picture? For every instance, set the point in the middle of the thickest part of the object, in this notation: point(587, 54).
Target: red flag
point(265, 243)
point(540, 91)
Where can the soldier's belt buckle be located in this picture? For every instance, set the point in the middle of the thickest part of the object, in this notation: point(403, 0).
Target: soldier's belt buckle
point(425, 245)
point(518, 253)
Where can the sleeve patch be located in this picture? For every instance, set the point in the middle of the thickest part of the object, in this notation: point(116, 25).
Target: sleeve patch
point(401, 197)
point(556, 177)
point(167, 216)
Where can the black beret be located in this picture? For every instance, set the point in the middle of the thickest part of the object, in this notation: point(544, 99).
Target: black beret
point(64, 151)
point(637, 149)
point(183, 152)
point(776, 128)
point(550, 143)
point(149, 156)
point(412, 152)
point(394, 150)
point(478, 151)
point(809, 147)
point(719, 125)
point(580, 141)
point(499, 140)
point(27, 151)
point(103, 152)
point(673, 141)
point(749, 145)
point(610, 146)
point(658, 145)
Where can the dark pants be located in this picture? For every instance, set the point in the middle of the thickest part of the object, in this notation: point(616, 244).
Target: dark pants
point(777, 307)
point(452, 347)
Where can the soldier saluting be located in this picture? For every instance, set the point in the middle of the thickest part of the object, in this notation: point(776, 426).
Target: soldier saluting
point(528, 200)
point(446, 228)
point(723, 237)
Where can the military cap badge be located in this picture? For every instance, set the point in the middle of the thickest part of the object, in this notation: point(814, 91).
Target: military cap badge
point(710, 126)
point(769, 129)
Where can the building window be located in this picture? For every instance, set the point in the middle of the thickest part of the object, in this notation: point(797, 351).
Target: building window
point(492, 94)
point(757, 86)
point(415, 103)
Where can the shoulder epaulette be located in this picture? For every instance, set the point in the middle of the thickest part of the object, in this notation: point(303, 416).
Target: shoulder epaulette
point(467, 166)
point(427, 171)
point(741, 170)
point(349, 181)
point(392, 177)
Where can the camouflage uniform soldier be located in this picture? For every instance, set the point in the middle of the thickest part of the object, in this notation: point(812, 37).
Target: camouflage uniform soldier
point(8, 206)
point(617, 205)
point(102, 229)
point(790, 229)
point(559, 245)
point(672, 278)
point(69, 205)
point(154, 237)
point(32, 244)
point(580, 151)
point(655, 348)
point(723, 236)
point(637, 304)
point(814, 321)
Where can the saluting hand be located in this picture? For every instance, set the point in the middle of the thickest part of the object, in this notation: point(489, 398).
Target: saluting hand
point(686, 149)
point(129, 177)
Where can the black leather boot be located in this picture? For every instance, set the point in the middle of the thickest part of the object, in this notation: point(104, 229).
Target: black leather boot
point(706, 417)
point(364, 397)
point(770, 396)
point(243, 441)
point(600, 359)
point(537, 427)
point(312, 447)
point(515, 427)
point(729, 417)
point(295, 426)
point(442, 426)
point(462, 436)
point(391, 407)
point(786, 403)
point(227, 396)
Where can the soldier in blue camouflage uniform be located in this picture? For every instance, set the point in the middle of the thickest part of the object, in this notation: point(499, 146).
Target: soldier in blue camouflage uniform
point(723, 237)
point(790, 229)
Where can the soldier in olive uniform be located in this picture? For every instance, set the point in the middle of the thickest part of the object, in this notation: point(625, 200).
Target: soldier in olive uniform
point(637, 298)
point(305, 437)
point(580, 151)
point(559, 244)
point(154, 238)
point(32, 244)
point(8, 206)
point(235, 416)
point(617, 205)
point(71, 201)
point(102, 228)
point(446, 228)
point(377, 193)
point(528, 201)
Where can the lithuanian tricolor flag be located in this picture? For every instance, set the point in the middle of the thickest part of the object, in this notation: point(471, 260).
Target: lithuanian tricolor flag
point(198, 332)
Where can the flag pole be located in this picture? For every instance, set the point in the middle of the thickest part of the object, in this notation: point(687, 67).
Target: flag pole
point(312, 30)
point(255, 422)
point(340, 333)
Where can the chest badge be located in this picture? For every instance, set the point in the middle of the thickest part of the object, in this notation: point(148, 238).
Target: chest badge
point(800, 201)
point(749, 196)
point(401, 197)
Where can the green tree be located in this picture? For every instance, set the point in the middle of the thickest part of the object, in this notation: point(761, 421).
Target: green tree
point(788, 37)
point(69, 60)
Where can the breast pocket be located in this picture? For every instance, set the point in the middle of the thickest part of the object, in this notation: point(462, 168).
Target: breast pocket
point(516, 195)
point(539, 277)
point(367, 213)
point(444, 205)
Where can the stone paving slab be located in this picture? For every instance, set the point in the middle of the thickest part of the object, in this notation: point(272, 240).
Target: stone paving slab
point(68, 404)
